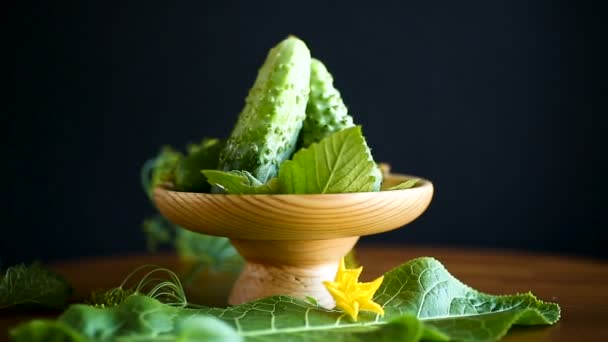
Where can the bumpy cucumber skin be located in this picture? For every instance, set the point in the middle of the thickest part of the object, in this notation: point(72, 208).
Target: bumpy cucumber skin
point(326, 113)
point(267, 129)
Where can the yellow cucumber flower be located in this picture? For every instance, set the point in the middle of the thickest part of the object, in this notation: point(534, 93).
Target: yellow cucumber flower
point(351, 295)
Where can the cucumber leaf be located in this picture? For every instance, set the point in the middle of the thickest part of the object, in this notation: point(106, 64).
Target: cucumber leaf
point(240, 182)
point(421, 300)
point(138, 318)
point(207, 251)
point(340, 163)
point(160, 170)
point(204, 155)
point(33, 285)
point(410, 183)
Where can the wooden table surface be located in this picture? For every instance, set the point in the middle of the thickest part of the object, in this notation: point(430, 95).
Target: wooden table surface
point(579, 285)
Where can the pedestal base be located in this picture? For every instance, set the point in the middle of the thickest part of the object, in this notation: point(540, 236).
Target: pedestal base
point(259, 281)
point(294, 268)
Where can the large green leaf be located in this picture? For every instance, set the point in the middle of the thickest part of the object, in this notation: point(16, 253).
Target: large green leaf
point(425, 288)
point(421, 300)
point(340, 163)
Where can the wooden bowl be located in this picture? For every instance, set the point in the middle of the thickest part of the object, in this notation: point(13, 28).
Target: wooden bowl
point(291, 243)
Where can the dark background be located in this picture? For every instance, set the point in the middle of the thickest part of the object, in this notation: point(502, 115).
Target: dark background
point(493, 102)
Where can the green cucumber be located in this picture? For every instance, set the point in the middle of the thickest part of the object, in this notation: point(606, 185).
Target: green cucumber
point(267, 129)
point(326, 113)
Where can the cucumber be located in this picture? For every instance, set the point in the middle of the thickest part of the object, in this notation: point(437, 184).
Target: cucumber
point(267, 129)
point(326, 113)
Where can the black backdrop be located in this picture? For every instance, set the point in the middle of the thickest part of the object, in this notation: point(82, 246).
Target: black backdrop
point(491, 101)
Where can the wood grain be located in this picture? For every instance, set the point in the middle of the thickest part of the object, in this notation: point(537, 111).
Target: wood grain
point(579, 285)
point(296, 217)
